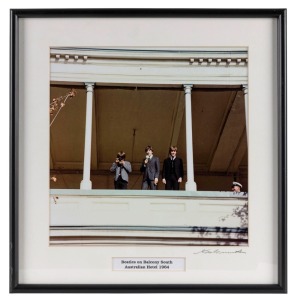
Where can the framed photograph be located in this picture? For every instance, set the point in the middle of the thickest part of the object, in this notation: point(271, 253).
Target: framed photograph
point(148, 151)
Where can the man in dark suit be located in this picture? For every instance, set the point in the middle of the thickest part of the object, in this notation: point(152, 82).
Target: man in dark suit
point(173, 170)
point(151, 170)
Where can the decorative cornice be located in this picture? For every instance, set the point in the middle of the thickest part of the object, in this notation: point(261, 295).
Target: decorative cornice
point(128, 66)
point(198, 61)
point(211, 57)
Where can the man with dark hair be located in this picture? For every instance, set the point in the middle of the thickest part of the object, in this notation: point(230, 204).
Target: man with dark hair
point(151, 170)
point(173, 170)
point(121, 168)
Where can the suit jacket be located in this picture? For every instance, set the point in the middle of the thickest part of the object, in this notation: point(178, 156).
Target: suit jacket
point(125, 170)
point(152, 169)
point(179, 168)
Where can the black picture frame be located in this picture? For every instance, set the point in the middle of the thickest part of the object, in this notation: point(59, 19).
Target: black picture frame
point(280, 16)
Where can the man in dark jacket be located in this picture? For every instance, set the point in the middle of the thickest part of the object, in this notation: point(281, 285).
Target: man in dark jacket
point(151, 170)
point(173, 171)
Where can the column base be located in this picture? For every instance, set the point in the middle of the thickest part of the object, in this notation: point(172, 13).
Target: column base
point(86, 185)
point(191, 186)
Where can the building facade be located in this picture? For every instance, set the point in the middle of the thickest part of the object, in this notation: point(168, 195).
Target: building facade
point(126, 99)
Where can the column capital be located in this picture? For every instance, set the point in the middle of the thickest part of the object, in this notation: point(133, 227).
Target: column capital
point(89, 86)
point(245, 89)
point(188, 88)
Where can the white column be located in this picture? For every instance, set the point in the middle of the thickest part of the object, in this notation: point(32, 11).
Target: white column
point(190, 184)
point(245, 92)
point(86, 183)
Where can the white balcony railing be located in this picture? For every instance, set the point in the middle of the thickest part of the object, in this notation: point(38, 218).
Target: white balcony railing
point(150, 217)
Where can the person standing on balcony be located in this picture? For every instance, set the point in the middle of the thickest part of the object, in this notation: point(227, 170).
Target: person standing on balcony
point(236, 188)
point(173, 170)
point(122, 169)
point(151, 170)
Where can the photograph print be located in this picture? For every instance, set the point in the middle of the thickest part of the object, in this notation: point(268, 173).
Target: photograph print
point(148, 146)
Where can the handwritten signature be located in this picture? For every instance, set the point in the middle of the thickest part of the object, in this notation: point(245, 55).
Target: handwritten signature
point(217, 251)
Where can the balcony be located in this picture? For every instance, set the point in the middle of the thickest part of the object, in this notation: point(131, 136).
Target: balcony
point(109, 217)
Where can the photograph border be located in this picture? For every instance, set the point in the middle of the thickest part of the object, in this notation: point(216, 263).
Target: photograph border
point(277, 14)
